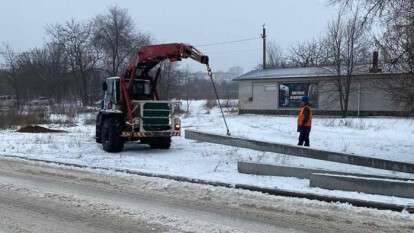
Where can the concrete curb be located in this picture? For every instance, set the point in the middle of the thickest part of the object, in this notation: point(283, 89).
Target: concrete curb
point(298, 172)
point(301, 151)
point(276, 192)
point(363, 184)
point(312, 196)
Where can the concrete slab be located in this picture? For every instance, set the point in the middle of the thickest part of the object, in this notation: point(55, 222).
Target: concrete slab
point(301, 151)
point(363, 184)
point(298, 172)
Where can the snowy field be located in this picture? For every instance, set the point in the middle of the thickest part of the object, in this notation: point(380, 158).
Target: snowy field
point(389, 138)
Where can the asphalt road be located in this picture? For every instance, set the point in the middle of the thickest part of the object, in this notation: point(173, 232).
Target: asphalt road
point(36, 197)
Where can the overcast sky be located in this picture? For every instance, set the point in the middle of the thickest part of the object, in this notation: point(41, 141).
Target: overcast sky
point(23, 22)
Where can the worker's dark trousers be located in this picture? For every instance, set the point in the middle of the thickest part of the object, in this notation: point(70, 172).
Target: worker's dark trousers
point(304, 136)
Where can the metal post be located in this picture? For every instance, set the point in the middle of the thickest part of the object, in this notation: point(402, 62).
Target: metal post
point(264, 46)
point(359, 97)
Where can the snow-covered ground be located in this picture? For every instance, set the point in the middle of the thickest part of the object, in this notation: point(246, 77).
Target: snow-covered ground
point(390, 138)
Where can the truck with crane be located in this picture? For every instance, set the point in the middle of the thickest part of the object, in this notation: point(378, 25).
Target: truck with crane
point(131, 108)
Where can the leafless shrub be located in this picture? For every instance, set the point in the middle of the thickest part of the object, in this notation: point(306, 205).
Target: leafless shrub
point(67, 114)
point(352, 123)
point(178, 109)
point(90, 120)
point(231, 105)
point(345, 147)
point(218, 165)
point(58, 109)
point(210, 103)
point(63, 121)
point(232, 110)
point(14, 118)
point(87, 109)
point(282, 159)
point(63, 115)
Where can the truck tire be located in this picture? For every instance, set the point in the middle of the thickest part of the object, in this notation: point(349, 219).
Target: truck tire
point(111, 135)
point(160, 143)
point(98, 130)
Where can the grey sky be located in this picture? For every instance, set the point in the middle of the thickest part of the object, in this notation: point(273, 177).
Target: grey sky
point(23, 22)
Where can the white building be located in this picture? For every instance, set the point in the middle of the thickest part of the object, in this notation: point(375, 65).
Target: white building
point(278, 91)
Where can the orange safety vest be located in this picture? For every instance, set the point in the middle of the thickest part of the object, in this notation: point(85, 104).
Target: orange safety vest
point(301, 117)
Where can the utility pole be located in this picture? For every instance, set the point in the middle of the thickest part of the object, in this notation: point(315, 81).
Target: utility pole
point(264, 46)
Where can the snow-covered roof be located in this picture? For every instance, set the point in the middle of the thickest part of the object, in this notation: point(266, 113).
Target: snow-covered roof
point(302, 72)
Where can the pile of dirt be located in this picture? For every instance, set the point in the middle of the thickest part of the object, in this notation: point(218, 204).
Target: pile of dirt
point(38, 129)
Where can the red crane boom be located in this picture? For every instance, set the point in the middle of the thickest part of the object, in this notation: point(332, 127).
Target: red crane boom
point(146, 59)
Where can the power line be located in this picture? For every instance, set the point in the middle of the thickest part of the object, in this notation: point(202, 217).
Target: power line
point(228, 42)
point(230, 52)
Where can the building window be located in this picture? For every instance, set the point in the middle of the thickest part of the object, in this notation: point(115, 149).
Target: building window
point(290, 94)
point(270, 87)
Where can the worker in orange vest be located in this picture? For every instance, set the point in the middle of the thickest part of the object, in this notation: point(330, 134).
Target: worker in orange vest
point(304, 121)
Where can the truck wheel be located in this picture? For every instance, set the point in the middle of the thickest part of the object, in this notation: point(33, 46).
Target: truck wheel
point(111, 135)
point(160, 143)
point(98, 133)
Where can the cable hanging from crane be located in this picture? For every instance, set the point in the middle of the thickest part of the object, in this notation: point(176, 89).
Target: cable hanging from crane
point(210, 74)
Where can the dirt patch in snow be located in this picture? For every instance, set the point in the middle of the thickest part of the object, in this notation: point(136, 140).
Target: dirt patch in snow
point(38, 129)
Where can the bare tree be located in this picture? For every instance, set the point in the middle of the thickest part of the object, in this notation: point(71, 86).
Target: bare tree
point(186, 73)
point(397, 49)
point(347, 47)
point(396, 43)
point(76, 37)
point(32, 69)
point(115, 34)
point(57, 67)
point(11, 70)
point(33, 73)
point(397, 17)
point(377, 9)
point(308, 53)
point(335, 44)
point(169, 79)
point(44, 70)
point(275, 57)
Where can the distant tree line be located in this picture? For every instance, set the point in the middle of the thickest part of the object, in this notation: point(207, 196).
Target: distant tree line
point(180, 83)
point(78, 55)
point(75, 58)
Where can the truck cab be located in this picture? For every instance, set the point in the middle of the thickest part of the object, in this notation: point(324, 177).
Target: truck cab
point(154, 122)
point(141, 90)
